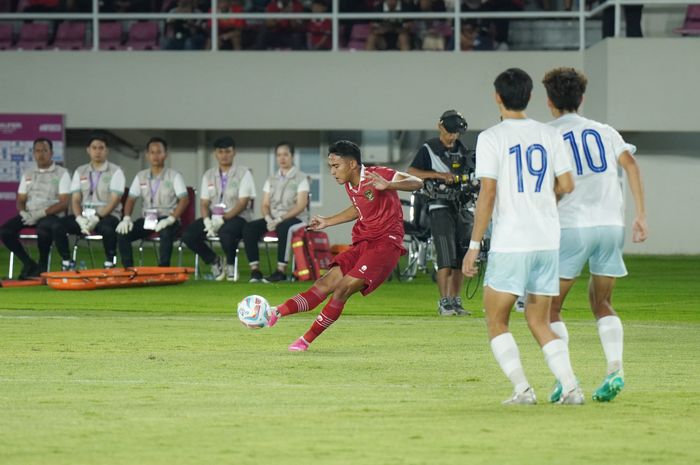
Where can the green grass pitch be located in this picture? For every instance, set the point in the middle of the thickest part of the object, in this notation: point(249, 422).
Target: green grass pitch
point(168, 376)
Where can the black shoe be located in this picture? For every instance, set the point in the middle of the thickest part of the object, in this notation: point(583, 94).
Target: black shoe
point(68, 265)
point(30, 271)
point(256, 277)
point(275, 277)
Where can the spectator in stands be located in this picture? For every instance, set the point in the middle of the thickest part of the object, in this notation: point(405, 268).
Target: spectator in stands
point(319, 31)
point(549, 5)
point(42, 199)
point(165, 199)
point(430, 32)
point(230, 30)
point(633, 20)
point(225, 205)
point(42, 6)
point(498, 28)
point(285, 202)
point(184, 34)
point(282, 33)
point(391, 34)
point(97, 189)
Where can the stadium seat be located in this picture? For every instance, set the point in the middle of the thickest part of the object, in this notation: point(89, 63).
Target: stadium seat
point(358, 36)
point(143, 35)
point(33, 36)
point(110, 35)
point(70, 36)
point(187, 218)
point(691, 25)
point(5, 36)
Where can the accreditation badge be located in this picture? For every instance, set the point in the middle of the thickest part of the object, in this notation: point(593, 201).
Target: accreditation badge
point(150, 219)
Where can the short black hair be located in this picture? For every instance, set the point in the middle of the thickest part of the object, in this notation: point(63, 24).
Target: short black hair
point(514, 86)
point(43, 139)
point(97, 136)
point(565, 88)
point(224, 142)
point(288, 144)
point(157, 140)
point(346, 149)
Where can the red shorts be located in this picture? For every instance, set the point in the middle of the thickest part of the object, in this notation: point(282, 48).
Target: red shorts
point(372, 262)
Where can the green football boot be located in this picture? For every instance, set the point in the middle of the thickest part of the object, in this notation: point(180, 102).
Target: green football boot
point(612, 385)
point(555, 396)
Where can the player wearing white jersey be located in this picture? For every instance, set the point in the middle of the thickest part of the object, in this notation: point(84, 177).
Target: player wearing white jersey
point(522, 165)
point(592, 217)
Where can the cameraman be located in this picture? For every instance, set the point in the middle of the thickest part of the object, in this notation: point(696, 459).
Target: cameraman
point(446, 161)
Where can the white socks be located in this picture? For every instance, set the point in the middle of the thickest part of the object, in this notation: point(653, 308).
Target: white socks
point(556, 354)
point(507, 355)
point(611, 336)
point(560, 330)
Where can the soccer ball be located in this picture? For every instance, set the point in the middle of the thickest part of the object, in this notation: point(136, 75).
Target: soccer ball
point(254, 312)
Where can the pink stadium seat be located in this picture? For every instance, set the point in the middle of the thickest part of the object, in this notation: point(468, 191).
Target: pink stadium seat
point(691, 25)
point(110, 36)
point(143, 35)
point(358, 36)
point(33, 36)
point(70, 36)
point(5, 36)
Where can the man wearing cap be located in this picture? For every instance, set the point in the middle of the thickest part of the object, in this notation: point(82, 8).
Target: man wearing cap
point(443, 158)
point(226, 207)
point(165, 199)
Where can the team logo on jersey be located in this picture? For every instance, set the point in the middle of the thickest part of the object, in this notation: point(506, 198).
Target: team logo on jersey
point(363, 268)
point(369, 195)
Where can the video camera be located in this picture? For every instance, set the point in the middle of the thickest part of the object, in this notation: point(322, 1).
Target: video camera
point(465, 188)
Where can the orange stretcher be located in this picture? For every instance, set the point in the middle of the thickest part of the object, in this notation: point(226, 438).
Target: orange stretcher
point(87, 280)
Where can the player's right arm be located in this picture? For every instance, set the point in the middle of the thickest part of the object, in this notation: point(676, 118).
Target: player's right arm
point(634, 177)
point(320, 222)
point(564, 183)
point(482, 217)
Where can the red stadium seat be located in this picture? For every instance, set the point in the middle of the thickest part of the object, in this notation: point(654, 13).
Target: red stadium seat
point(110, 36)
point(143, 35)
point(33, 36)
point(691, 25)
point(5, 36)
point(70, 36)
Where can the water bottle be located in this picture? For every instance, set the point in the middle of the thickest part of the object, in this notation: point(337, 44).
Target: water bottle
point(81, 265)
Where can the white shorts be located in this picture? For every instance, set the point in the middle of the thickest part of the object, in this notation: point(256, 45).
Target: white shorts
point(520, 272)
point(600, 246)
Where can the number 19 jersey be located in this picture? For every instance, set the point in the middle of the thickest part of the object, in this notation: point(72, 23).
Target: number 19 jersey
point(524, 157)
point(594, 149)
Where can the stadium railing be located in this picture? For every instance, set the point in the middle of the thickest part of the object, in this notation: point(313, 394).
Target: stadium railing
point(581, 15)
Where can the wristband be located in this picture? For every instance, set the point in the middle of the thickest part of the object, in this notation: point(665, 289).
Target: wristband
point(474, 245)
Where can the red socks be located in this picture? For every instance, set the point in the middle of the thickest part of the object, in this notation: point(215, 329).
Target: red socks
point(303, 302)
point(330, 313)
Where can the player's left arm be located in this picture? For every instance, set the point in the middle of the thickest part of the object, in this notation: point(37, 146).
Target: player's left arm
point(634, 177)
point(482, 216)
point(400, 182)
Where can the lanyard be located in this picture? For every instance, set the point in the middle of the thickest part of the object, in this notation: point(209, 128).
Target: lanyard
point(93, 184)
point(154, 190)
point(224, 183)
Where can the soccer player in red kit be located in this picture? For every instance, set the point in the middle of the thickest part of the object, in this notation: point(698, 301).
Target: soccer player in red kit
point(377, 239)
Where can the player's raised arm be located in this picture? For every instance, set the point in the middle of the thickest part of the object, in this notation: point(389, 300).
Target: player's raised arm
point(401, 182)
point(321, 222)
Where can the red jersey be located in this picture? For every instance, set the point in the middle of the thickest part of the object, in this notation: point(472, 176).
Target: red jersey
point(379, 212)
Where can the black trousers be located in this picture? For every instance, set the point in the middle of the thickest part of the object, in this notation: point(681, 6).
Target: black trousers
point(451, 229)
point(105, 228)
point(633, 20)
point(256, 229)
point(167, 238)
point(48, 230)
point(230, 235)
